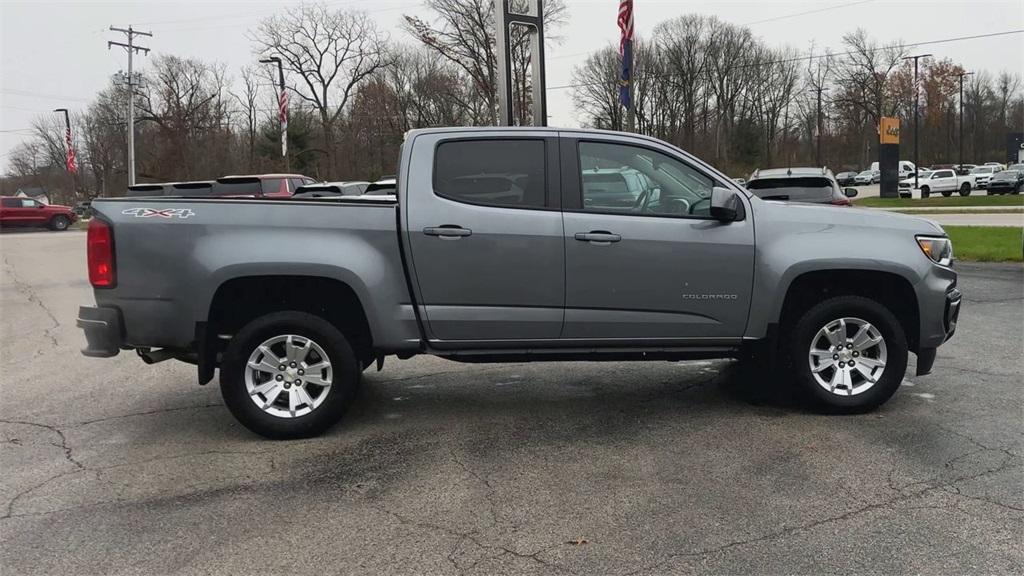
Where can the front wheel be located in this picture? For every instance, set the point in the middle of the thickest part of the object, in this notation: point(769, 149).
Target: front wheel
point(59, 223)
point(925, 192)
point(965, 189)
point(848, 354)
point(288, 375)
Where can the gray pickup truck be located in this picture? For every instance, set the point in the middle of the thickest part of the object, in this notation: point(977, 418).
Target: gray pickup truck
point(517, 244)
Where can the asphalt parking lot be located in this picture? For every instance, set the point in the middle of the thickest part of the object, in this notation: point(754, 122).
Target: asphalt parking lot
point(115, 467)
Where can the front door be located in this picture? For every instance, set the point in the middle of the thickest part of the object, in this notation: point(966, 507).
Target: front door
point(644, 259)
point(486, 236)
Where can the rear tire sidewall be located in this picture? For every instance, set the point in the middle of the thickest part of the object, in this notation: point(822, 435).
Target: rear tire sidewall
point(832, 309)
point(925, 192)
point(59, 223)
point(965, 190)
point(345, 367)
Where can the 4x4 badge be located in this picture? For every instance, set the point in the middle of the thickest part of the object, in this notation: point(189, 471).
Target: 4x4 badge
point(159, 212)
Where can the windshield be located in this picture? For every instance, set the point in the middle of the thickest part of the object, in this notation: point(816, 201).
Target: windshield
point(865, 173)
point(808, 189)
point(983, 170)
point(1006, 175)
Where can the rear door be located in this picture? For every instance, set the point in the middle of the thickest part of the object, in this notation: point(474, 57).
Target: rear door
point(943, 180)
point(661, 269)
point(485, 235)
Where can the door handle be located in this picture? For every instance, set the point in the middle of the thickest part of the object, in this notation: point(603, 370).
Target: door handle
point(601, 237)
point(447, 231)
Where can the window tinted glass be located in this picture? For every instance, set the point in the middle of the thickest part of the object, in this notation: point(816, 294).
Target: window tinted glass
point(807, 189)
point(294, 183)
point(10, 203)
point(634, 180)
point(492, 172)
point(272, 186)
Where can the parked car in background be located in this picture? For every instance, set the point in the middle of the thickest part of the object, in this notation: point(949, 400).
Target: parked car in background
point(29, 212)
point(740, 181)
point(945, 182)
point(847, 178)
point(386, 186)
point(1006, 182)
point(982, 174)
point(83, 209)
point(260, 185)
point(998, 165)
point(329, 189)
point(964, 168)
point(868, 177)
point(1017, 167)
point(814, 185)
point(906, 168)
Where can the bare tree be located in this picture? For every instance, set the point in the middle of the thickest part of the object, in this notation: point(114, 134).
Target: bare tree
point(329, 52)
point(247, 98)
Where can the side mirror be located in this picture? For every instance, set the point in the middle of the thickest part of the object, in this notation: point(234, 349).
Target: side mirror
point(725, 205)
point(40, 206)
point(850, 192)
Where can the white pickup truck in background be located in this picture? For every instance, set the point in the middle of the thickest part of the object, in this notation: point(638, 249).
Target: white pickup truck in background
point(943, 181)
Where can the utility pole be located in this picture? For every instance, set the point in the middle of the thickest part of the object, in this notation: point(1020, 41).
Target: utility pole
point(131, 49)
point(282, 108)
point(818, 156)
point(960, 77)
point(69, 157)
point(917, 100)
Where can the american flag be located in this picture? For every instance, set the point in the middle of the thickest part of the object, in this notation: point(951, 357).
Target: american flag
point(71, 153)
point(282, 115)
point(625, 21)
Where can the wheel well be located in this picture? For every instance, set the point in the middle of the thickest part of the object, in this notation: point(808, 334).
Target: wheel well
point(890, 290)
point(240, 300)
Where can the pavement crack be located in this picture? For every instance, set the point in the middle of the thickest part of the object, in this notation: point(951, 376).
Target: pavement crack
point(68, 455)
point(30, 293)
point(145, 413)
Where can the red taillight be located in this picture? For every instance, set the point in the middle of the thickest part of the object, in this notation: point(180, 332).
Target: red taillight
point(99, 244)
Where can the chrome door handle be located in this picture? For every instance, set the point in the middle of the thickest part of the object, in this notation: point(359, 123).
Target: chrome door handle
point(598, 237)
point(447, 231)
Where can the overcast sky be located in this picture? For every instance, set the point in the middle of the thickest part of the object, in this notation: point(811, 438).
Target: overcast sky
point(54, 54)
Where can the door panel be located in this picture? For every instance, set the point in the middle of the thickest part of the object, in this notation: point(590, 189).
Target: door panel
point(666, 278)
point(486, 272)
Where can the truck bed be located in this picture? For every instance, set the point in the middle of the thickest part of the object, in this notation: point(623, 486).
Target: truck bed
point(172, 255)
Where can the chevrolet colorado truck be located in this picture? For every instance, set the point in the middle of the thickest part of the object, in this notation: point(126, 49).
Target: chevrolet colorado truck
point(509, 245)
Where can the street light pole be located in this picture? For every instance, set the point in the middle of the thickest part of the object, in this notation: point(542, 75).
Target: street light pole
point(282, 111)
point(917, 99)
point(960, 76)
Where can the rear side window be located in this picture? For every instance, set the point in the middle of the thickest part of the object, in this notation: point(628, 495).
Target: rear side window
point(10, 203)
point(809, 189)
point(273, 186)
point(492, 172)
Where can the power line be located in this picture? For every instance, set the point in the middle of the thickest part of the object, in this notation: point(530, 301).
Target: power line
point(826, 9)
point(818, 56)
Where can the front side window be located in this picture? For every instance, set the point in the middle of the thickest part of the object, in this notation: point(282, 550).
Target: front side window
point(28, 203)
point(634, 180)
point(272, 185)
point(508, 173)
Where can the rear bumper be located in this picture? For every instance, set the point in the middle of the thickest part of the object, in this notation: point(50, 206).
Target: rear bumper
point(104, 331)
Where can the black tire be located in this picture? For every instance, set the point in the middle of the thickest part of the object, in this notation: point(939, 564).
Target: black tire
point(345, 377)
point(818, 316)
point(965, 189)
point(925, 192)
point(1016, 189)
point(59, 223)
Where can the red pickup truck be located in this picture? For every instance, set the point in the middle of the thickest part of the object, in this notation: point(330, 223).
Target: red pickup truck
point(16, 211)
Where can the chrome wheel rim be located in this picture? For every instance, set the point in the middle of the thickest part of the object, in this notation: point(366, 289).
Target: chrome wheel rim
point(847, 356)
point(288, 376)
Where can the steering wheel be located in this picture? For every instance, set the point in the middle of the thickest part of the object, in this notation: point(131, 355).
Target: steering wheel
point(693, 207)
point(677, 206)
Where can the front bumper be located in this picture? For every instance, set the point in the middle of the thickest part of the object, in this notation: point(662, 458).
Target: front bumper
point(950, 317)
point(104, 331)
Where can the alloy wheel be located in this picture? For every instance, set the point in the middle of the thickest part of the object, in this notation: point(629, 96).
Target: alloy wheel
point(847, 356)
point(288, 376)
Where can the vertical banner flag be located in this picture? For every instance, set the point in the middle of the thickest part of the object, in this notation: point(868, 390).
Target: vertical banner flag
point(625, 21)
point(70, 162)
point(282, 115)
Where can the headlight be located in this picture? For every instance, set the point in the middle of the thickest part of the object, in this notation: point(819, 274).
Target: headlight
point(938, 248)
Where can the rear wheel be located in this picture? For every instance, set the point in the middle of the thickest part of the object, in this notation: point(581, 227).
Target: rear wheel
point(288, 375)
point(849, 354)
point(59, 223)
point(965, 189)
